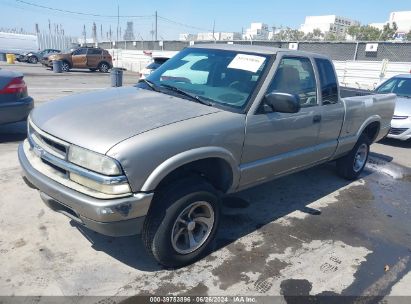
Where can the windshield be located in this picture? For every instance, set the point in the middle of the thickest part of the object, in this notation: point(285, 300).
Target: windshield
point(226, 78)
point(399, 86)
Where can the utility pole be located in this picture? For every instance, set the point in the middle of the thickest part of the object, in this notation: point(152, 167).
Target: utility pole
point(118, 25)
point(94, 32)
point(214, 30)
point(84, 34)
point(156, 29)
point(118, 21)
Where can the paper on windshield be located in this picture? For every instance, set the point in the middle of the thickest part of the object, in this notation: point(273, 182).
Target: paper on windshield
point(246, 62)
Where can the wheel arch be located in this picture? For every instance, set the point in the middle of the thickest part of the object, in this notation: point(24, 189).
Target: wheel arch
point(215, 164)
point(371, 128)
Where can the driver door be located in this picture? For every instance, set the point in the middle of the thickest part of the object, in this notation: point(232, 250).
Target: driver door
point(79, 58)
point(276, 143)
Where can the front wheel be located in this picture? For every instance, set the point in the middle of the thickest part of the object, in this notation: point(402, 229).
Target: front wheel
point(33, 59)
point(65, 66)
point(182, 222)
point(351, 165)
point(104, 67)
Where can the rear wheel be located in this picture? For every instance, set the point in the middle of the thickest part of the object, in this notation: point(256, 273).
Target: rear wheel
point(65, 66)
point(33, 59)
point(182, 222)
point(351, 165)
point(104, 67)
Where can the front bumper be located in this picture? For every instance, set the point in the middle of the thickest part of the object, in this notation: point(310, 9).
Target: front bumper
point(16, 111)
point(113, 217)
point(400, 129)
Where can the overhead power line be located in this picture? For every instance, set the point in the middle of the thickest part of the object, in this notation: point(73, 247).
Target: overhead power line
point(82, 13)
point(183, 24)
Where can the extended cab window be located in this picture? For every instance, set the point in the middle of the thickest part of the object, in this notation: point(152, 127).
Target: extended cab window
point(329, 87)
point(295, 75)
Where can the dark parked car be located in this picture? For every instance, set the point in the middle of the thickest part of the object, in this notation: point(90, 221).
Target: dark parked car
point(34, 57)
point(15, 104)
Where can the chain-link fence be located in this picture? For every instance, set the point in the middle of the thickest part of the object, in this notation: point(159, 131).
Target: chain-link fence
point(397, 52)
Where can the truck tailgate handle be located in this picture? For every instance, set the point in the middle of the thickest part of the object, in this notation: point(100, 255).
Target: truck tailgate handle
point(317, 118)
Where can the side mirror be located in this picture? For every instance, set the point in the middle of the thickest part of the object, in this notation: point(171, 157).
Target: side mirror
point(283, 102)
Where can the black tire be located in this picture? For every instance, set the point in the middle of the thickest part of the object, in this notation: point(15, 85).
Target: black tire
point(160, 225)
point(65, 66)
point(33, 59)
point(104, 67)
point(347, 166)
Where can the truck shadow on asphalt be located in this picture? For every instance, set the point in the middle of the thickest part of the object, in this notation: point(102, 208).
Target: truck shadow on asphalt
point(242, 213)
point(395, 143)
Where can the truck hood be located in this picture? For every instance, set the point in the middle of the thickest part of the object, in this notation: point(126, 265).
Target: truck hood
point(99, 120)
point(403, 106)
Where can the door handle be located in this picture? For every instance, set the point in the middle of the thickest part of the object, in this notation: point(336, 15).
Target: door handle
point(317, 118)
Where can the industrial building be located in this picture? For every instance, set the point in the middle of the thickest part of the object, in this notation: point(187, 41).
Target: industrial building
point(328, 23)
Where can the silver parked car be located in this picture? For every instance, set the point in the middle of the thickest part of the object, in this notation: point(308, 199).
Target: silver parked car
point(155, 159)
point(401, 121)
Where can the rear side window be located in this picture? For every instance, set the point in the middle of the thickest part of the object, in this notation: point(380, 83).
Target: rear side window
point(329, 87)
point(94, 52)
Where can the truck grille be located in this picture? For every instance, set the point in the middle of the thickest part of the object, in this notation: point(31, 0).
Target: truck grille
point(49, 155)
point(48, 143)
point(397, 131)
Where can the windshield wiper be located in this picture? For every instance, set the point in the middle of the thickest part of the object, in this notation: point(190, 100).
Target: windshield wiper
point(150, 84)
point(197, 98)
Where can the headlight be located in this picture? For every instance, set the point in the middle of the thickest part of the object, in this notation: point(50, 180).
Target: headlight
point(107, 189)
point(93, 161)
point(29, 54)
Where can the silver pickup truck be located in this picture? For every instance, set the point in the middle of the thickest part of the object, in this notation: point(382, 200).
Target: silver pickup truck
point(155, 159)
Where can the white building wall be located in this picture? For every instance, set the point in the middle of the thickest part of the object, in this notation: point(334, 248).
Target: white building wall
point(208, 36)
point(328, 23)
point(187, 37)
point(257, 31)
point(402, 19)
point(17, 43)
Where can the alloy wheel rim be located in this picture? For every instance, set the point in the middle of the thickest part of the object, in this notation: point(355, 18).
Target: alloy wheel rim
point(360, 157)
point(192, 227)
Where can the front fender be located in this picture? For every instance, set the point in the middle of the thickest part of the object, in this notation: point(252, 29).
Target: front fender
point(189, 156)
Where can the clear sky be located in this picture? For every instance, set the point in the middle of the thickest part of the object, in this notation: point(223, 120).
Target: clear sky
point(192, 16)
